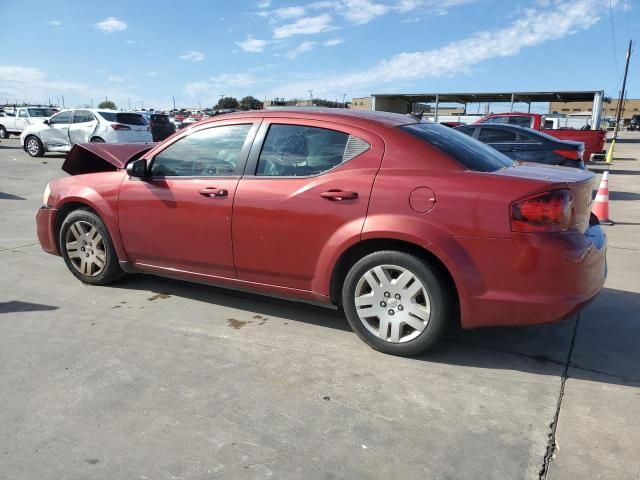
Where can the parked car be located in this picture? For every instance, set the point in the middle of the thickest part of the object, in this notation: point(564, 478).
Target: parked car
point(79, 125)
point(593, 140)
point(634, 124)
point(25, 116)
point(410, 226)
point(161, 126)
point(188, 121)
point(527, 145)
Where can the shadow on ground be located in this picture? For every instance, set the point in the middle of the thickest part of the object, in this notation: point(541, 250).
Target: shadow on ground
point(541, 349)
point(8, 196)
point(18, 306)
point(623, 196)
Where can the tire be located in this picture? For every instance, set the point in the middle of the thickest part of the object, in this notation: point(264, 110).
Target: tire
point(428, 305)
point(84, 233)
point(97, 140)
point(3, 133)
point(34, 146)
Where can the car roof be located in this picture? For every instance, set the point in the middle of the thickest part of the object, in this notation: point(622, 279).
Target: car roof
point(338, 115)
point(501, 126)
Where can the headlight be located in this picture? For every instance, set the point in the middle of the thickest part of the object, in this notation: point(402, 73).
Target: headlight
point(45, 196)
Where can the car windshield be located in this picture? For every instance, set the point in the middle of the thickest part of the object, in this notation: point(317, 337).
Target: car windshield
point(41, 112)
point(124, 118)
point(467, 151)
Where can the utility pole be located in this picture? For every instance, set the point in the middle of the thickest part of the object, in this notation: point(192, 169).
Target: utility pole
point(622, 92)
point(174, 101)
point(62, 101)
point(311, 98)
point(344, 105)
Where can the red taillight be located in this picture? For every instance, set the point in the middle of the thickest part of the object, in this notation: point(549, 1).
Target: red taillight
point(545, 212)
point(570, 154)
point(119, 126)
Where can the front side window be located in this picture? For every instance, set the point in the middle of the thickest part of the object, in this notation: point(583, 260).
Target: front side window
point(22, 114)
point(497, 135)
point(61, 118)
point(300, 151)
point(214, 152)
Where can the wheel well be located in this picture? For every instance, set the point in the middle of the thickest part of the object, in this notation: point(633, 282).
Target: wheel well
point(96, 137)
point(64, 211)
point(360, 250)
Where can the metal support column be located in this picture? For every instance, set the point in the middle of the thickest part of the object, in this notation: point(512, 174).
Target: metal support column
point(512, 98)
point(437, 102)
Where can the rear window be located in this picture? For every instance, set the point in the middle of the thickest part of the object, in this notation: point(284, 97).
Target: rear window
point(124, 118)
point(467, 151)
point(41, 112)
point(162, 119)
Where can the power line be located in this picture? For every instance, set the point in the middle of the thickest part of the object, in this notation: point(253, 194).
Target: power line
point(613, 38)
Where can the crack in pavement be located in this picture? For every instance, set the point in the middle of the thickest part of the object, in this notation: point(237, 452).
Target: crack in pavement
point(552, 447)
point(7, 249)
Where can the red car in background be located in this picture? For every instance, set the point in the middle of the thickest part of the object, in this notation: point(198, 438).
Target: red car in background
point(593, 140)
point(410, 226)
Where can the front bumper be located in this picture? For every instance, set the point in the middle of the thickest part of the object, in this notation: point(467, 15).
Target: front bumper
point(531, 278)
point(45, 224)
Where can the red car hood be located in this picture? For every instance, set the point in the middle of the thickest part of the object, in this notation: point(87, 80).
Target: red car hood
point(102, 157)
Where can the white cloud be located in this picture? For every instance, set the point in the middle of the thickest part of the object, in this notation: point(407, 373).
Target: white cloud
point(252, 44)
point(300, 49)
point(152, 74)
point(210, 88)
point(264, 4)
point(192, 56)
point(131, 42)
point(111, 24)
point(362, 11)
point(55, 23)
point(333, 42)
point(289, 12)
point(233, 79)
point(536, 26)
point(305, 26)
point(115, 79)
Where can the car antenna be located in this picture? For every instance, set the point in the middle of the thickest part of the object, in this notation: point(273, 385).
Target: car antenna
point(416, 115)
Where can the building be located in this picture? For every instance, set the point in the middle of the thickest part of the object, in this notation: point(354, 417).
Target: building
point(609, 109)
point(361, 103)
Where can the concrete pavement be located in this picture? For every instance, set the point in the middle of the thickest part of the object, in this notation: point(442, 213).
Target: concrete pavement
point(159, 379)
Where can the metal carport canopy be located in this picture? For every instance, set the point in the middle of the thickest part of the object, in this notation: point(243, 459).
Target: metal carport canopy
point(528, 97)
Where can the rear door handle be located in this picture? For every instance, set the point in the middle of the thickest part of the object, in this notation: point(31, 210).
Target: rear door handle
point(213, 192)
point(337, 195)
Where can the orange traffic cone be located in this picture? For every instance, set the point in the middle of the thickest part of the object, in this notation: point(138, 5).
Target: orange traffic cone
point(600, 206)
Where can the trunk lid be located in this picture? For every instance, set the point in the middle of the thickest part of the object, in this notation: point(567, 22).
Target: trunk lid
point(102, 157)
point(579, 182)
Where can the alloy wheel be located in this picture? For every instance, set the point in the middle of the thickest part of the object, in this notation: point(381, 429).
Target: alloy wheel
point(85, 248)
point(392, 303)
point(33, 147)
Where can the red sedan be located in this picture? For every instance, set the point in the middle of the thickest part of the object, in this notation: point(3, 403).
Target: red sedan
point(409, 226)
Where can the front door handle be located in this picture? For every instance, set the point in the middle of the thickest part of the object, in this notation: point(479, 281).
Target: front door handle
point(213, 192)
point(337, 195)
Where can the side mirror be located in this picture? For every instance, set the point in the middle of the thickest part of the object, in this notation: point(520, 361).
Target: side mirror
point(138, 169)
point(46, 122)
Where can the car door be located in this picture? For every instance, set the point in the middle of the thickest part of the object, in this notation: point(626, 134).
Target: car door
point(83, 124)
point(22, 119)
point(179, 219)
point(502, 139)
point(55, 135)
point(304, 195)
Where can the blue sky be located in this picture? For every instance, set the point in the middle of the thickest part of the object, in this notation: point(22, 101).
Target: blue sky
point(147, 51)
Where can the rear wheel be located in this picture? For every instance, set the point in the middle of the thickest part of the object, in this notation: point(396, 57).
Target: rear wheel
point(87, 248)
point(34, 146)
point(397, 303)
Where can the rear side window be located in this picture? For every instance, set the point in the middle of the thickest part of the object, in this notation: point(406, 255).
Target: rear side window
point(82, 116)
point(467, 151)
point(124, 118)
point(497, 135)
point(300, 151)
point(521, 121)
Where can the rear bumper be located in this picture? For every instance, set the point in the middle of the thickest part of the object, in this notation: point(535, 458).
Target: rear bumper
point(532, 278)
point(45, 224)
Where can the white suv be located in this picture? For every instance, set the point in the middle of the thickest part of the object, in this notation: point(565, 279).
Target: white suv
point(63, 130)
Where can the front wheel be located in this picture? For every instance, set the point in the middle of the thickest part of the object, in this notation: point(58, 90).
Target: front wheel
point(34, 146)
point(3, 132)
point(397, 303)
point(87, 248)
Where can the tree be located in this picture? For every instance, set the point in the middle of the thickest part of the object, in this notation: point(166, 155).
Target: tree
point(321, 102)
point(250, 103)
point(226, 102)
point(107, 104)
